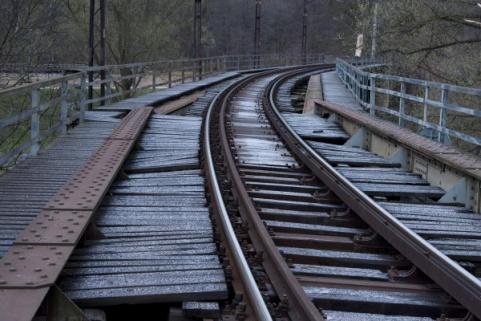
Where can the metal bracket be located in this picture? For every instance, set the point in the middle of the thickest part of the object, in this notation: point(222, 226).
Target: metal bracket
point(400, 156)
point(332, 117)
point(93, 233)
point(457, 193)
point(61, 308)
point(357, 140)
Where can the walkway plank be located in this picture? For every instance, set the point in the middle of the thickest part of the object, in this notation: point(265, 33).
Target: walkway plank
point(336, 92)
point(32, 183)
point(165, 95)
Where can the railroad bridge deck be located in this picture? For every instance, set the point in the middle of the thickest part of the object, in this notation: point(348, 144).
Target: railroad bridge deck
point(148, 234)
point(151, 238)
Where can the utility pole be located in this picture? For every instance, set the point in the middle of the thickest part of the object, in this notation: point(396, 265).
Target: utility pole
point(101, 60)
point(102, 46)
point(304, 34)
point(198, 34)
point(91, 49)
point(374, 31)
point(257, 34)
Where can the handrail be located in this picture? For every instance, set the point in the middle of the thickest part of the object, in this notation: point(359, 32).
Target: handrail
point(31, 114)
point(411, 96)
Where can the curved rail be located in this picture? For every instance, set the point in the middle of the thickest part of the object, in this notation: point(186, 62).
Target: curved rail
point(449, 275)
point(253, 294)
point(283, 280)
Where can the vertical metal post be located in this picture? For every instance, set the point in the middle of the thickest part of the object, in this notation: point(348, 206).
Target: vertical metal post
point(170, 75)
point(183, 71)
point(193, 66)
point(355, 88)
point(91, 50)
point(154, 80)
point(372, 111)
point(238, 62)
point(109, 86)
point(304, 34)
point(402, 105)
point(63, 107)
point(426, 97)
point(257, 33)
point(83, 95)
point(443, 115)
point(35, 122)
point(198, 34)
point(102, 47)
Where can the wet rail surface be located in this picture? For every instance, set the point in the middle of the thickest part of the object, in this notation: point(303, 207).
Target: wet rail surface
point(344, 267)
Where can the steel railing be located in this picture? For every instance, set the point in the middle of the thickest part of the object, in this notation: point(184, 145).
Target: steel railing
point(438, 110)
point(32, 114)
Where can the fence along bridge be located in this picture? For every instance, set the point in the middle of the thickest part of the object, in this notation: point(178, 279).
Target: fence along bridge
point(242, 187)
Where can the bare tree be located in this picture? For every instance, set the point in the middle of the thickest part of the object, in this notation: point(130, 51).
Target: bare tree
point(26, 27)
point(438, 40)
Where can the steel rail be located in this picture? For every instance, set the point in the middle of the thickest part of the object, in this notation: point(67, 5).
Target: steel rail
point(286, 285)
point(459, 283)
point(253, 294)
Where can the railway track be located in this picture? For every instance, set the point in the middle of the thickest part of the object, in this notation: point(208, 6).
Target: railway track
point(296, 240)
point(316, 246)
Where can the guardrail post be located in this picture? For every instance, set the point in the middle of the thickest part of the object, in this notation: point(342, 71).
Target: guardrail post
point(426, 97)
point(356, 87)
point(154, 80)
point(402, 105)
point(83, 96)
point(193, 70)
point(90, 88)
point(443, 115)
point(372, 97)
point(200, 68)
point(63, 107)
point(170, 75)
point(183, 71)
point(35, 122)
point(109, 87)
point(238, 63)
point(364, 91)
